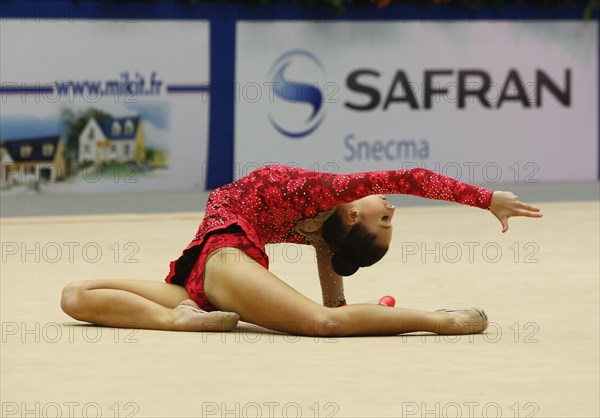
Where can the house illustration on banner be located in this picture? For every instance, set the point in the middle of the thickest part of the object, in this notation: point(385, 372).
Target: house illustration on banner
point(112, 140)
point(32, 159)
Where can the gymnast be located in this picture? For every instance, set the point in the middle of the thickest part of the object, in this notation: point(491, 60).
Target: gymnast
point(222, 276)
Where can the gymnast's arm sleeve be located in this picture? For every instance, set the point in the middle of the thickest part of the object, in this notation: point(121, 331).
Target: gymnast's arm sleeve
point(343, 188)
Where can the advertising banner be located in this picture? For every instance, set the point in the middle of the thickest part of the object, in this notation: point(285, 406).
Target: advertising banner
point(478, 101)
point(103, 105)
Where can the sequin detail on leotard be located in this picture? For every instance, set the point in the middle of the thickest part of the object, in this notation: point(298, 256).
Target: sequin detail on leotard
point(267, 203)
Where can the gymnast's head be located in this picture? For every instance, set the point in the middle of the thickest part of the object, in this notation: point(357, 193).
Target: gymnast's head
point(359, 233)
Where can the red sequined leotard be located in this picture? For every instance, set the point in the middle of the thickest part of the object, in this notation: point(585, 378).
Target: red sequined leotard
point(264, 207)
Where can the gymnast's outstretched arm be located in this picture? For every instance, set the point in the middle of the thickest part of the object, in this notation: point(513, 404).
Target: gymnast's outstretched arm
point(427, 184)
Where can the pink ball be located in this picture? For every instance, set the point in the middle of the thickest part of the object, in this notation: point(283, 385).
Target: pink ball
point(388, 300)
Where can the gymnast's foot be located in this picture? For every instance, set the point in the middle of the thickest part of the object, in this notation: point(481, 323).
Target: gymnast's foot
point(187, 316)
point(465, 321)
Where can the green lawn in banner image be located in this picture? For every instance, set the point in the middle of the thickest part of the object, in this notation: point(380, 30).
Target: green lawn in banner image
point(156, 158)
point(115, 171)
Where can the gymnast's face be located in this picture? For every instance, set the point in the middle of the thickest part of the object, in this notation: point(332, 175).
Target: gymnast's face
point(376, 213)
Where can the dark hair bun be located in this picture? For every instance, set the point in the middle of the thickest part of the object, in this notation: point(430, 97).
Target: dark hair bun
point(343, 266)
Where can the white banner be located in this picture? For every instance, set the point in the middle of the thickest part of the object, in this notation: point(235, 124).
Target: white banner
point(477, 101)
point(91, 106)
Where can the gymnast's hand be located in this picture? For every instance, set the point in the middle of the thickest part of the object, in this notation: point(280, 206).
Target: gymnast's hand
point(505, 204)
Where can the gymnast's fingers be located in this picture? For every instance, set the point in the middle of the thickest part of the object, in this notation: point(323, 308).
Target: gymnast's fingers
point(528, 213)
point(504, 222)
point(528, 207)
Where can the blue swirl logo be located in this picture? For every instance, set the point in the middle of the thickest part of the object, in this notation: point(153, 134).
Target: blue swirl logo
point(297, 92)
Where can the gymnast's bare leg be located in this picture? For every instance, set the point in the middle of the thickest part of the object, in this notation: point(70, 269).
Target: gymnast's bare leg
point(140, 304)
point(234, 282)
